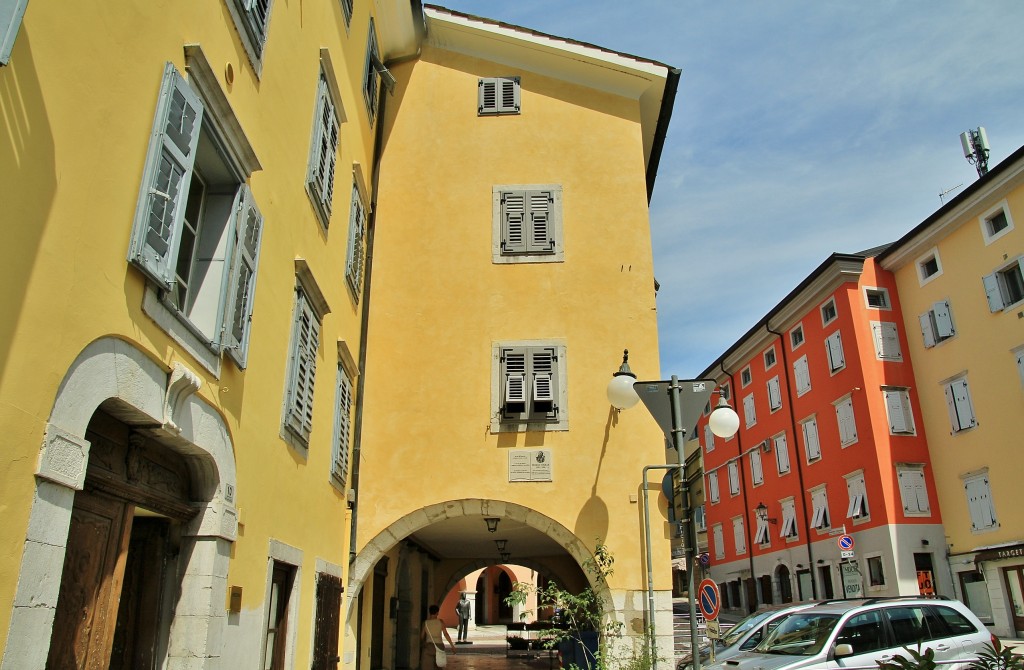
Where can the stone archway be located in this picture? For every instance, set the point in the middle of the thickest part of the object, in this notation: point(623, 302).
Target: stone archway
point(114, 374)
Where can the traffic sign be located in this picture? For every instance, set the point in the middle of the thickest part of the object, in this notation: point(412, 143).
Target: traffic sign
point(846, 554)
point(708, 599)
point(705, 559)
point(845, 542)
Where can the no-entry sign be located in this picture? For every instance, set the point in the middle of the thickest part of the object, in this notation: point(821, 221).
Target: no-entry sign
point(708, 599)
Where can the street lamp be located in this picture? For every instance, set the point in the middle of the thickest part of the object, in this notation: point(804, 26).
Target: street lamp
point(664, 401)
point(762, 513)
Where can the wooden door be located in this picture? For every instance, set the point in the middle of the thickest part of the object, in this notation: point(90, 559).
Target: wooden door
point(138, 613)
point(90, 588)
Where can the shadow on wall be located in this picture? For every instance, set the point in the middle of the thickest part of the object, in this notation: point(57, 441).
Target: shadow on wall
point(27, 162)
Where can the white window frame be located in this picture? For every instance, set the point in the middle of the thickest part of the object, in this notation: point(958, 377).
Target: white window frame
point(878, 559)
point(997, 289)
point(781, 447)
point(886, 338)
point(749, 410)
point(798, 329)
point(834, 353)
point(789, 529)
point(828, 306)
point(857, 508)
point(746, 377)
point(802, 375)
point(11, 14)
point(959, 404)
point(713, 493)
point(898, 410)
point(560, 422)
point(937, 324)
point(882, 295)
point(499, 96)
point(526, 254)
point(913, 488)
point(756, 467)
point(922, 262)
point(718, 537)
point(811, 439)
point(774, 394)
point(733, 469)
point(770, 357)
point(739, 535)
point(846, 420)
point(980, 505)
point(821, 518)
point(985, 222)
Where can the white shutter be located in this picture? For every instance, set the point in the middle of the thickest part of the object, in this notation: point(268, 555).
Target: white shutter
point(762, 533)
point(958, 402)
point(802, 374)
point(781, 454)
point(713, 486)
point(897, 403)
point(166, 178)
point(979, 501)
point(834, 346)
point(992, 292)
point(738, 536)
point(887, 341)
point(788, 525)
point(305, 346)
point(927, 328)
point(847, 424)
point(320, 173)
point(774, 394)
point(719, 539)
point(245, 261)
point(709, 438)
point(811, 446)
point(756, 469)
point(819, 512)
point(748, 410)
point(11, 14)
point(943, 319)
point(734, 478)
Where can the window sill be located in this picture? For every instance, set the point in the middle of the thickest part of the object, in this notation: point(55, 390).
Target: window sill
point(170, 322)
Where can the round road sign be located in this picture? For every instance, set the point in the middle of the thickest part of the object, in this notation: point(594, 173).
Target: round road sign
point(845, 542)
point(708, 600)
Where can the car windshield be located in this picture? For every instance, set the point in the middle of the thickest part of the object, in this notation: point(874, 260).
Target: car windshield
point(745, 624)
point(800, 634)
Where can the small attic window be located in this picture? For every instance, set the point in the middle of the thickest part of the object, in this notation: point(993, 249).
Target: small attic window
point(498, 95)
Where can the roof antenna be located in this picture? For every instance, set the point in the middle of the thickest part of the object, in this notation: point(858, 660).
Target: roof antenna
point(943, 194)
point(975, 144)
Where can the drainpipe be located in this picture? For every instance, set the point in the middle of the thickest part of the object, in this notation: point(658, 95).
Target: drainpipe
point(799, 466)
point(743, 493)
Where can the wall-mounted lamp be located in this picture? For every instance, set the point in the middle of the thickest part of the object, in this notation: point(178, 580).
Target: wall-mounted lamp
point(505, 555)
point(492, 523)
point(500, 544)
point(762, 513)
point(620, 389)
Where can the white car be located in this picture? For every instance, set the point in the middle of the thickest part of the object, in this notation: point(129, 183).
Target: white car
point(746, 634)
point(862, 633)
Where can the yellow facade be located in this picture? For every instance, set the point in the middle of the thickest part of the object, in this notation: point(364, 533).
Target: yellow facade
point(941, 265)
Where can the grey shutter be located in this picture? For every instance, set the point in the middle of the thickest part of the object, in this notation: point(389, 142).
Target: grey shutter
point(166, 178)
point(11, 14)
point(498, 95)
point(513, 222)
point(756, 467)
point(847, 424)
point(811, 446)
point(774, 393)
point(256, 13)
point(305, 346)
point(487, 96)
point(962, 401)
point(509, 101)
point(544, 374)
point(927, 328)
point(992, 292)
point(954, 419)
point(887, 341)
point(342, 426)
point(356, 235)
point(781, 454)
point(898, 411)
point(541, 239)
point(513, 383)
point(834, 344)
point(802, 374)
point(320, 173)
point(242, 290)
point(749, 415)
point(943, 320)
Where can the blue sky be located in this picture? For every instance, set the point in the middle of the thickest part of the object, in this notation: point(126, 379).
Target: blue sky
point(800, 128)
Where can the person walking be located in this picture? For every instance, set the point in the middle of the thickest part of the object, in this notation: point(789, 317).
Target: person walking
point(432, 630)
point(465, 611)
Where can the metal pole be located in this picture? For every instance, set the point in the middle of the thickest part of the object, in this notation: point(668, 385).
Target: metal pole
point(678, 437)
point(653, 638)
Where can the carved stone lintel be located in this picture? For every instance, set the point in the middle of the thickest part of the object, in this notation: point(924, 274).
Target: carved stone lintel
point(63, 458)
point(181, 384)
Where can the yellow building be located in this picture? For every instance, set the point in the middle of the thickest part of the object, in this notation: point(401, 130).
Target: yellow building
point(203, 448)
point(185, 193)
point(959, 275)
point(511, 265)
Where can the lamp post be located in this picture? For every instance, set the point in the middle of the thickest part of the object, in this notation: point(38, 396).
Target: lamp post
point(664, 401)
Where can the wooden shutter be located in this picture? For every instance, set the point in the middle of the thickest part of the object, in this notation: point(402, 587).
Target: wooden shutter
point(958, 402)
point(11, 14)
point(719, 540)
point(328, 622)
point(540, 234)
point(320, 173)
point(513, 383)
point(834, 345)
point(802, 374)
point(811, 446)
point(847, 424)
point(709, 438)
point(356, 236)
point(912, 491)
point(487, 96)
point(245, 261)
point(513, 222)
point(993, 293)
point(748, 411)
point(927, 321)
point(509, 101)
point(781, 454)
point(788, 522)
point(304, 349)
point(756, 468)
point(898, 405)
point(734, 478)
point(498, 95)
point(762, 533)
point(887, 341)
point(943, 319)
point(979, 501)
point(774, 393)
point(738, 536)
point(544, 383)
point(256, 13)
point(713, 494)
point(165, 180)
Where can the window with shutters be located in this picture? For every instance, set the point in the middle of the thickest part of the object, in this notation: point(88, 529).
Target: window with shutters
point(347, 7)
point(323, 146)
point(527, 223)
point(788, 527)
point(713, 494)
point(857, 508)
point(11, 14)
point(929, 266)
point(898, 411)
point(197, 229)
point(356, 255)
point(734, 478)
point(371, 72)
point(282, 592)
point(796, 337)
point(937, 324)
point(913, 491)
point(979, 501)
point(343, 401)
point(739, 535)
point(251, 18)
point(769, 358)
point(781, 449)
point(774, 394)
point(834, 349)
point(801, 375)
point(726, 391)
point(959, 404)
point(718, 539)
point(809, 430)
point(709, 439)
point(828, 312)
point(498, 95)
point(700, 518)
point(996, 222)
point(820, 518)
point(887, 341)
point(847, 422)
point(756, 467)
point(310, 308)
point(876, 298)
point(749, 415)
point(745, 377)
point(1004, 288)
point(762, 537)
point(528, 386)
